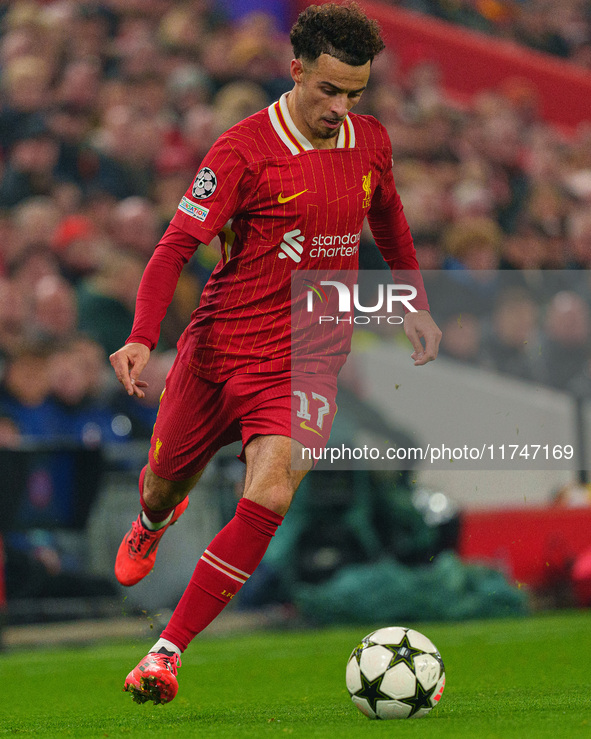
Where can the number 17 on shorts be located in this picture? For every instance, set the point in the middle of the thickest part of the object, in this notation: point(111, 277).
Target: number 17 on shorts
point(313, 410)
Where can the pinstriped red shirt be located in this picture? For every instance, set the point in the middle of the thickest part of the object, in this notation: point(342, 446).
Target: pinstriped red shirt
point(278, 204)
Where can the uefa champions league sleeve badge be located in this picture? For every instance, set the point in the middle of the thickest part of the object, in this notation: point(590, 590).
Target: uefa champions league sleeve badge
point(205, 184)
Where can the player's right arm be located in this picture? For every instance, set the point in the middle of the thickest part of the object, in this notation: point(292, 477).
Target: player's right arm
point(128, 363)
point(215, 196)
point(154, 295)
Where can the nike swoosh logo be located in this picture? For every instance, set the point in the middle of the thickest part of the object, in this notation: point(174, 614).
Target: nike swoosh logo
point(281, 199)
point(304, 426)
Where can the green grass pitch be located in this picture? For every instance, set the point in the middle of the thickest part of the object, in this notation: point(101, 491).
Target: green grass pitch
point(505, 678)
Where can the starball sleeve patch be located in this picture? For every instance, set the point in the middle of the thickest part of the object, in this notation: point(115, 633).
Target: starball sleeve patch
point(205, 184)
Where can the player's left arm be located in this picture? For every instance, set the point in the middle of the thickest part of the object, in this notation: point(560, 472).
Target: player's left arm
point(420, 327)
point(392, 235)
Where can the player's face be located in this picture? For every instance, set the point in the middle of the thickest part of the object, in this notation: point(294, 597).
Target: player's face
point(325, 91)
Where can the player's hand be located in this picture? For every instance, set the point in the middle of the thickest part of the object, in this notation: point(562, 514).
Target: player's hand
point(128, 363)
point(420, 327)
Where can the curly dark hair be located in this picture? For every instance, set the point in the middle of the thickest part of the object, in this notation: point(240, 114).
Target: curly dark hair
point(342, 31)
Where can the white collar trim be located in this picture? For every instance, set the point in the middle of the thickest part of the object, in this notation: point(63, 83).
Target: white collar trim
point(295, 141)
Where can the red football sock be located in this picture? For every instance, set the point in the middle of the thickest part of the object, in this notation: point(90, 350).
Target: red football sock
point(225, 566)
point(153, 516)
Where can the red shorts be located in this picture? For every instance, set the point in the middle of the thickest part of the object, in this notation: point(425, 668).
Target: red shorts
point(197, 417)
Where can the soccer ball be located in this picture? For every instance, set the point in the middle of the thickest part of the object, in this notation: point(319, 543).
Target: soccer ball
point(395, 673)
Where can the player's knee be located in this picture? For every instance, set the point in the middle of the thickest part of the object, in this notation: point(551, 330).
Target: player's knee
point(161, 497)
point(276, 498)
point(160, 494)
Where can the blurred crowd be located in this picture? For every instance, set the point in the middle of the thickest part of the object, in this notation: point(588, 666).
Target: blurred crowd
point(106, 111)
point(498, 202)
point(561, 28)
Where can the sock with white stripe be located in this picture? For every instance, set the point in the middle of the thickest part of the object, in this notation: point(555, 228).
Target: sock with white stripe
point(225, 566)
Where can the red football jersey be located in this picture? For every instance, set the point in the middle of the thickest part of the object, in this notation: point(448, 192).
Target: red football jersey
point(278, 205)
